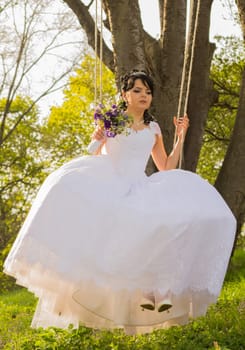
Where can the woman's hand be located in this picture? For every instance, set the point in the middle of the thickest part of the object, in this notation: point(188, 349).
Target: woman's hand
point(181, 124)
point(97, 140)
point(98, 134)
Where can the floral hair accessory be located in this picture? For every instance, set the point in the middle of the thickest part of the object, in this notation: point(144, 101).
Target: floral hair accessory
point(114, 119)
point(138, 72)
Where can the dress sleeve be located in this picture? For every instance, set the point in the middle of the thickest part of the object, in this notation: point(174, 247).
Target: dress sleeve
point(155, 128)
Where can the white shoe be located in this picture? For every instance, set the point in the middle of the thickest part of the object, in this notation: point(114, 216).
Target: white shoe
point(164, 305)
point(147, 304)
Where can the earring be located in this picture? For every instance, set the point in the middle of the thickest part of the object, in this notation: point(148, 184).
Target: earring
point(122, 104)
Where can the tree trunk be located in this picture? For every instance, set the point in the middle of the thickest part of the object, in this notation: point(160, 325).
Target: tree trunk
point(231, 179)
point(167, 74)
point(166, 62)
point(127, 35)
point(241, 10)
point(200, 86)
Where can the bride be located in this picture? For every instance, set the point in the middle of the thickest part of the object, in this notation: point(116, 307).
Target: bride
point(106, 246)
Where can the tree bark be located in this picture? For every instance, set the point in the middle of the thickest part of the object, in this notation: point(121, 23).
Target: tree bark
point(166, 60)
point(231, 179)
point(200, 86)
point(168, 73)
point(241, 10)
point(127, 35)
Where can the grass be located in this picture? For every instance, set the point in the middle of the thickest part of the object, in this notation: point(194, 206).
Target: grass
point(223, 327)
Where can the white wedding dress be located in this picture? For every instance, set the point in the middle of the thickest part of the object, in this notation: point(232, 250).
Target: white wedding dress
point(101, 234)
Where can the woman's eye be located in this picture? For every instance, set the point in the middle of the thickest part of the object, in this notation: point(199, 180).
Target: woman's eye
point(138, 91)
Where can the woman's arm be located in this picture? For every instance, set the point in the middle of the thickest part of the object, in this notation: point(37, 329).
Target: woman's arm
point(98, 135)
point(159, 155)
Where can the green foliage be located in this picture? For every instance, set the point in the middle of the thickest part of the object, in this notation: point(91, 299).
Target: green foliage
point(223, 327)
point(21, 165)
point(226, 74)
point(21, 170)
point(6, 282)
point(236, 271)
point(69, 126)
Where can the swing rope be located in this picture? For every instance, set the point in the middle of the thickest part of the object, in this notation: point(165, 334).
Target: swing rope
point(98, 57)
point(185, 91)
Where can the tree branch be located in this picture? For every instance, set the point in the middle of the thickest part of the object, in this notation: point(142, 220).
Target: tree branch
point(217, 137)
point(224, 89)
point(27, 111)
point(87, 23)
point(24, 62)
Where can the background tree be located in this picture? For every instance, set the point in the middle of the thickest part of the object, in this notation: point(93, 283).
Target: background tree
point(226, 73)
point(21, 171)
point(23, 27)
point(231, 180)
point(21, 166)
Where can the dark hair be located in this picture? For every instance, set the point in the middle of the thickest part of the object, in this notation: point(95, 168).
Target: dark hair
point(127, 83)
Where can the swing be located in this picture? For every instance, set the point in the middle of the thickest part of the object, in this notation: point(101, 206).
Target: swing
point(186, 72)
point(185, 88)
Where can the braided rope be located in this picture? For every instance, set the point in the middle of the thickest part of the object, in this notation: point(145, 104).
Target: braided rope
point(96, 51)
point(184, 94)
point(98, 57)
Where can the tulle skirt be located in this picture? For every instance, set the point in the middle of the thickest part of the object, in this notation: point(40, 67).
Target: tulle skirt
point(94, 243)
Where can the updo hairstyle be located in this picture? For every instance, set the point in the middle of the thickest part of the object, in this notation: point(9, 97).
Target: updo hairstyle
point(127, 82)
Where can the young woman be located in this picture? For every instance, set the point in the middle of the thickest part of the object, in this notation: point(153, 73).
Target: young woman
point(107, 246)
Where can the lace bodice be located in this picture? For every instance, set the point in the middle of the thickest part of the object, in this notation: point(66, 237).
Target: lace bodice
point(130, 153)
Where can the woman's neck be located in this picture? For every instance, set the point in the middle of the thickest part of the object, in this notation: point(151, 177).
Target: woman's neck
point(137, 115)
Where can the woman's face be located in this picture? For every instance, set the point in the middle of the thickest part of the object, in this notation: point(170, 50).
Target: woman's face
point(139, 97)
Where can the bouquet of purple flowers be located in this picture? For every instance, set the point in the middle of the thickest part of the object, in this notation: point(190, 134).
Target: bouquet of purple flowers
point(114, 120)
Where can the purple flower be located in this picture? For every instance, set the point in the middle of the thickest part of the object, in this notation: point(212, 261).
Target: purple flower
point(114, 119)
point(98, 116)
point(110, 133)
point(109, 114)
point(107, 124)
